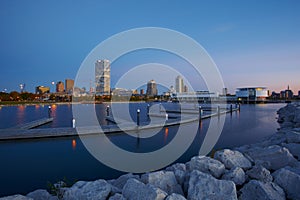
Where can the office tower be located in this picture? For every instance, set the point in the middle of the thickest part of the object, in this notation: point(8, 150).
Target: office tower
point(69, 83)
point(60, 87)
point(151, 88)
point(102, 77)
point(185, 88)
point(179, 84)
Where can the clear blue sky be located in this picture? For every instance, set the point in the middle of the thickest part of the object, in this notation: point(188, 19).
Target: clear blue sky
point(254, 43)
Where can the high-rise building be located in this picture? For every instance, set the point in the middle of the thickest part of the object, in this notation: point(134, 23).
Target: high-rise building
point(185, 88)
point(151, 88)
point(179, 84)
point(60, 87)
point(102, 77)
point(69, 83)
point(141, 91)
point(225, 91)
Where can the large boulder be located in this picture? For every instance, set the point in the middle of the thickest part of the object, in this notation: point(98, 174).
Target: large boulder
point(237, 175)
point(272, 157)
point(16, 197)
point(206, 165)
point(164, 180)
point(205, 186)
point(289, 181)
point(179, 170)
point(41, 195)
point(232, 159)
point(294, 149)
point(175, 196)
point(261, 191)
point(121, 181)
point(260, 173)
point(98, 189)
point(117, 196)
point(136, 190)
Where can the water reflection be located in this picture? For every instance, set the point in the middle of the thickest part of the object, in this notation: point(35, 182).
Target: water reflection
point(166, 135)
point(74, 144)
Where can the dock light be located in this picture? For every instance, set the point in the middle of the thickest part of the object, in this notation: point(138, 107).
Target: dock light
point(138, 116)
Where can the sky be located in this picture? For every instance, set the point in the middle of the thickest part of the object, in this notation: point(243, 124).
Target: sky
point(253, 43)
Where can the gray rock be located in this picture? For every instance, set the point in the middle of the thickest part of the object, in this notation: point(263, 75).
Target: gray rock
point(294, 149)
point(292, 136)
point(41, 195)
point(121, 181)
point(272, 157)
point(164, 180)
point(205, 186)
point(16, 197)
point(117, 196)
point(237, 175)
point(175, 196)
point(136, 190)
point(260, 173)
point(232, 159)
point(179, 170)
point(261, 191)
point(289, 181)
point(98, 189)
point(177, 166)
point(206, 165)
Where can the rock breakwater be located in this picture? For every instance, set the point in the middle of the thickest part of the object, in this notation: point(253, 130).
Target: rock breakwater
point(269, 169)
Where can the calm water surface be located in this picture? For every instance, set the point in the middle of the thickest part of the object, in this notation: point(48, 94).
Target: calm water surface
point(31, 164)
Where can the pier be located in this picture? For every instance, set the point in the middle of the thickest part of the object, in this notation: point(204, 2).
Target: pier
point(28, 130)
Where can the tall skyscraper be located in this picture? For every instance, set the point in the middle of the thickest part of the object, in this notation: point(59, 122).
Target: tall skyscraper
point(179, 84)
point(60, 87)
point(102, 77)
point(151, 88)
point(69, 83)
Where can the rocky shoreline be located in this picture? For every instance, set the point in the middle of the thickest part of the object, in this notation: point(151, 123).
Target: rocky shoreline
point(266, 170)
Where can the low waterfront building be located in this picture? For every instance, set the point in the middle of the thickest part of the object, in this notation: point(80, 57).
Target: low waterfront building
point(200, 96)
point(42, 90)
point(252, 94)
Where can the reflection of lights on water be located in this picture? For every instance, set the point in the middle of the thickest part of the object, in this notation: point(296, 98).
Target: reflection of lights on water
point(37, 106)
point(166, 134)
point(200, 125)
point(74, 144)
point(21, 108)
point(53, 106)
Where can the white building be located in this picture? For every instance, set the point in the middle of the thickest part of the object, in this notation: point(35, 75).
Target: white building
point(179, 84)
point(102, 77)
point(252, 94)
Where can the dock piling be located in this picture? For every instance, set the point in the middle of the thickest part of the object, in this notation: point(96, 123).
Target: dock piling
point(138, 116)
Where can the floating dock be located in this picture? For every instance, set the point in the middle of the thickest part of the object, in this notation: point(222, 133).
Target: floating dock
point(26, 131)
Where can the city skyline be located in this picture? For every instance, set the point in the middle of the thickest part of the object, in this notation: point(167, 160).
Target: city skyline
point(252, 43)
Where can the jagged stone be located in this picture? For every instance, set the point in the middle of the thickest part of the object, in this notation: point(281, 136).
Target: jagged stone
point(289, 181)
point(232, 159)
point(237, 175)
point(206, 165)
point(16, 197)
point(136, 190)
point(261, 191)
point(205, 186)
point(292, 136)
point(175, 196)
point(117, 196)
point(98, 189)
point(121, 181)
point(164, 180)
point(294, 149)
point(176, 166)
point(179, 170)
point(272, 157)
point(260, 173)
point(41, 195)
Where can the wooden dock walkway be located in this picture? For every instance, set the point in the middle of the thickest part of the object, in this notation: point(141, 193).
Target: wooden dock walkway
point(33, 124)
point(38, 133)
